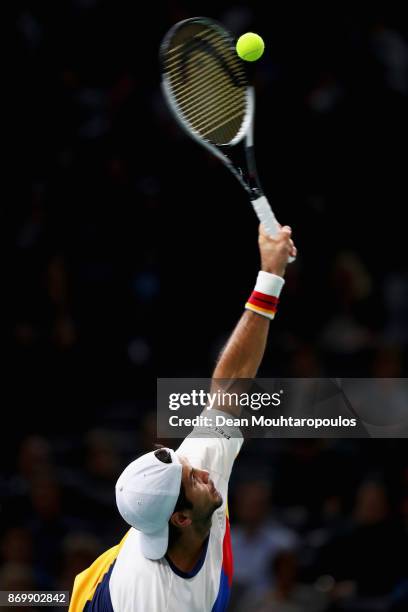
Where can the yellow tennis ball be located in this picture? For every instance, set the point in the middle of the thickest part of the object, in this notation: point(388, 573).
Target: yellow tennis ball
point(250, 47)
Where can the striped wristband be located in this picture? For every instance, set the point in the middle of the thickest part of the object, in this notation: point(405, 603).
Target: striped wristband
point(265, 297)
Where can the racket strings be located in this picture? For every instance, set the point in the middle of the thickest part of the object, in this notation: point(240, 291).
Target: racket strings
point(178, 79)
point(197, 103)
point(216, 42)
point(201, 66)
point(200, 117)
point(224, 53)
point(201, 86)
point(212, 97)
point(217, 120)
point(182, 37)
point(215, 114)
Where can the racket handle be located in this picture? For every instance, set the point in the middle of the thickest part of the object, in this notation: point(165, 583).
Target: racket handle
point(265, 215)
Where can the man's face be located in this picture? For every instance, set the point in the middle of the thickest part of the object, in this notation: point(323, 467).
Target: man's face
point(200, 490)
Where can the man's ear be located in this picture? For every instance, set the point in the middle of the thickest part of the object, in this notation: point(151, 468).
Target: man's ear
point(181, 519)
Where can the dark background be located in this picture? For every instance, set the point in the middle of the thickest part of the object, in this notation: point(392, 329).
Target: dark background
point(130, 254)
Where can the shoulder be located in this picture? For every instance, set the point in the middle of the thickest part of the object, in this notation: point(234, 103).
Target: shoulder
point(135, 578)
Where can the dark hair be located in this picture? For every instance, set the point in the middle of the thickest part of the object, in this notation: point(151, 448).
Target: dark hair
point(163, 455)
point(182, 503)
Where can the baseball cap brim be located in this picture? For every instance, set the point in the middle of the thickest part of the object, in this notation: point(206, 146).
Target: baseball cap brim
point(154, 545)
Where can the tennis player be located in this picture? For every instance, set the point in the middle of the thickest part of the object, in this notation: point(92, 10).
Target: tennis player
point(176, 556)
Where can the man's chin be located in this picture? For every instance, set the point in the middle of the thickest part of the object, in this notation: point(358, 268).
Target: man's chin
point(217, 503)
point(218, 500)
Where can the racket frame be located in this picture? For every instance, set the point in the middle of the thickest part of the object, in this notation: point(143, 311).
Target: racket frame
point(246, 173)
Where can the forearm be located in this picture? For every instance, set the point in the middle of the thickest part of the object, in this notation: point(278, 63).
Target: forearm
point(243, 353)
point(245, 349)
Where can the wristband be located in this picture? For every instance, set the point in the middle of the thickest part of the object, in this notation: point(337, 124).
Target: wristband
point(264, 299)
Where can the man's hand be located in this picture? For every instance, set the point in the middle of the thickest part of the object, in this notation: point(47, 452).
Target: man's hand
point(275, 252)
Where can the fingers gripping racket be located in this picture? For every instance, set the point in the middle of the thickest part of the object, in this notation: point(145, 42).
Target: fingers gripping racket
point(206, 87)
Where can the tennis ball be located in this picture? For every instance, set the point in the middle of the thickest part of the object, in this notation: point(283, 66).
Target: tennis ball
point(250, 47)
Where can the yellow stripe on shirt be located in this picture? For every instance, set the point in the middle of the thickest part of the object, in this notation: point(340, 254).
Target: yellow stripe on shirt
point(86, 582)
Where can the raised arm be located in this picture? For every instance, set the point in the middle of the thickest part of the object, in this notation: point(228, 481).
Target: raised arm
point(215, 448)
point(243, 353)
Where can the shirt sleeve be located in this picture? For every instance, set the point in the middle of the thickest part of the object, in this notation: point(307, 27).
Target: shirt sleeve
point(213, 448)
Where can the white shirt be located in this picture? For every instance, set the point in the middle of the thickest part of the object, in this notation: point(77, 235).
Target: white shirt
point(138, 584)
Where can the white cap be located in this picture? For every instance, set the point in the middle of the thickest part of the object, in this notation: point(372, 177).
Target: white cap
point(146, 494)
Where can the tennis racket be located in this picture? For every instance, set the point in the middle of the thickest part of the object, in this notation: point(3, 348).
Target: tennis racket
point(206, 87)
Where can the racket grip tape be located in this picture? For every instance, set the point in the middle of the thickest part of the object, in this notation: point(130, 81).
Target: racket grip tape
point(265, 215)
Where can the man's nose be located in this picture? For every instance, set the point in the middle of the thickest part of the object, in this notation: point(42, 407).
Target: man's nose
point(205, 476)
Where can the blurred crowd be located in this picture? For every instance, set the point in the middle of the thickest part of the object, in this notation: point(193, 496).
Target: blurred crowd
point(116, 213)
point(317, 525)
